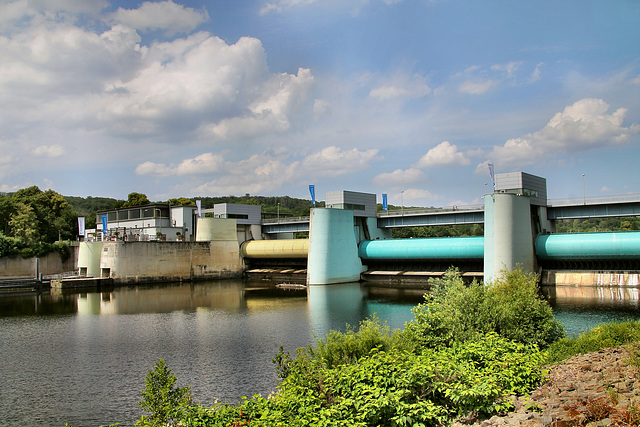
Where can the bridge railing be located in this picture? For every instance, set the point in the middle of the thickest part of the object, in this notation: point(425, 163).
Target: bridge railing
point(419, 211)
point(287, 220)
point(573, 201)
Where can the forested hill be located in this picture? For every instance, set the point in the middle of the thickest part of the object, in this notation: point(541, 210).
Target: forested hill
point(90, 205)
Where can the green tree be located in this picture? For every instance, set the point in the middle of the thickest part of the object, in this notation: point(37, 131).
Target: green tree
point(55, 217)
point(183, 201)
point(136, 199)
point(24, 225)
point(162, 399)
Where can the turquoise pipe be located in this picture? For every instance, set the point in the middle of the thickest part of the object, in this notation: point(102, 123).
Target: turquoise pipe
point(600, 245)
point(432, 248)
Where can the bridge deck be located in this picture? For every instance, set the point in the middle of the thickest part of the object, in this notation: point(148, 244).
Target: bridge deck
point(576, 208)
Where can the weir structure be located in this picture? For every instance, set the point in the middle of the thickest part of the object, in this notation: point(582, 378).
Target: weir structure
point(348, 240)
point(518, 232)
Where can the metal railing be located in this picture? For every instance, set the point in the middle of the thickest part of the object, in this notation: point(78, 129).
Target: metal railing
point(617, 198)
point(420, 211)
point(287, 220)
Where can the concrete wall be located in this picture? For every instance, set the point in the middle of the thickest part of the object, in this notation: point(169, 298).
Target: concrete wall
point(47, 265)
point(333, 249)
point(89, 259)
point(508, 234)
point(216, 229)
point(133, 262)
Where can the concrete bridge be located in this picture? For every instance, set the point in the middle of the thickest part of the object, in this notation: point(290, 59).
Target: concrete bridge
point(560, 209)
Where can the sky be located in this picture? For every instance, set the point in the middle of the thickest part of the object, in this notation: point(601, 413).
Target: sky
point(411, 98)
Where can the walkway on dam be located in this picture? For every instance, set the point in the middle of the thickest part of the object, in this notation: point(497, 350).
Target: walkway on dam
point(558, 209)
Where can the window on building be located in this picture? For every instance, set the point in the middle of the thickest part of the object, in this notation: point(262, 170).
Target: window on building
point(238, 216)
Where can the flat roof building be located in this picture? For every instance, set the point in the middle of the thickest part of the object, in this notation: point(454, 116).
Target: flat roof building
point(156, 221)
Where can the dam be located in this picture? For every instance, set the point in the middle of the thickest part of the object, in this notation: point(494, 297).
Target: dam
point(348, 240)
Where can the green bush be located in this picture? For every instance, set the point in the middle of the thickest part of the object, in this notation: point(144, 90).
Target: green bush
point(520, 313)
point(9, 246)
point(339, 348)
point(455, 312)
point(602, 336)
point(165, 402)
point(390, 388)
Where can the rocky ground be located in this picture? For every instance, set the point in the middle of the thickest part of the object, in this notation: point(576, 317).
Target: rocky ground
point(595, 389)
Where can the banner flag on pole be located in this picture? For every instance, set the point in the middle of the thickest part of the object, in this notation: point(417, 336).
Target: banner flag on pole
point(104, 224)
point(312, 190)
point(80, 226)
point(385, 207)
point(199, 205)
point(493, 180)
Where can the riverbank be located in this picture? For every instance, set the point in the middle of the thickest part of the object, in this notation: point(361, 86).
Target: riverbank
point(595, 389)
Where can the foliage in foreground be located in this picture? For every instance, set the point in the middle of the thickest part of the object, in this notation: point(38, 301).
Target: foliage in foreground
point(602, 336)
point(162, 399)
point(455, 312)
point(468, 348)
point(392, 388)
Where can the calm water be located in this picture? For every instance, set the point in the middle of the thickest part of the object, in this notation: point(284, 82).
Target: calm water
point(81, 358)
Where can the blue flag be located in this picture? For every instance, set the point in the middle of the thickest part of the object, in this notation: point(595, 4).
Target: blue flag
point(104, 224)
point(312, 190)
point(385, 207)
point(493, 179)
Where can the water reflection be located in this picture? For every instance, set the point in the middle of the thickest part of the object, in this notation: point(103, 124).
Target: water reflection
point(581, 308)
point(165, 299)
point(81, 357)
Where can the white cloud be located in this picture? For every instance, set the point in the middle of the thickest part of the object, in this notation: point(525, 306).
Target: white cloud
point(165, 15)
point(477, 87)
point(15, 13)
point(536, 73)
point(333, 161)
point(413, 197)
point(65, 77)
point(482, 169)
point(444, 154)
point(401, 86)
point(510, 68)
point(265, 172)
point(582, 126)
point(204, 164)
point(49, 151)
point(281, 97)
point(320, 107)
point(280, 5)
point(398, 178)
point(352, 6)
point(5, 166)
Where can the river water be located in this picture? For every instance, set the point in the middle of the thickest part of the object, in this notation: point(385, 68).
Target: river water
point(81, 358)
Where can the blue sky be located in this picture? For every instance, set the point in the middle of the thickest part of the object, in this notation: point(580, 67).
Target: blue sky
point(411, 97)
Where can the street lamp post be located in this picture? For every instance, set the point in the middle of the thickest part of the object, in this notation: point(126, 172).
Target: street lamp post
point(278, 211)
point(402, 204)
point(584, 193)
